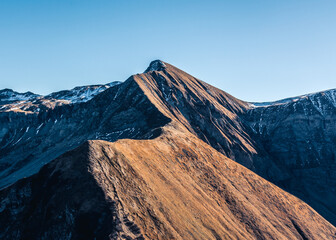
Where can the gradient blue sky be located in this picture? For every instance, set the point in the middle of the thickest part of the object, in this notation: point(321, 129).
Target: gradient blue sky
point(255, 50)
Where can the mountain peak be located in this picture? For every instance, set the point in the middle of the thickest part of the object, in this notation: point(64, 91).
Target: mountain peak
point(156, 65)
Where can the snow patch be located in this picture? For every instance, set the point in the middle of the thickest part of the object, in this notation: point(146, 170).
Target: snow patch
point(81, 94)
point(315, 99)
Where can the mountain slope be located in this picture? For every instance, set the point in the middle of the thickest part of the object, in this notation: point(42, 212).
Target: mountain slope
point(210, 113)
point(171, 187)
point(122, 111)
point(300, 135)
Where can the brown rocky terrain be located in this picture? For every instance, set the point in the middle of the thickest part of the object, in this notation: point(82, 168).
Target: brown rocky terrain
point(171, 187)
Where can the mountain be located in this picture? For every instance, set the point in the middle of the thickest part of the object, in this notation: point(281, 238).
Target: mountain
point(291, 144)
point(8, 96)
point(300, 135)
point(17, 110)
point(29, 102)
point(328, 96)
point(172, 175)
point(36, 139)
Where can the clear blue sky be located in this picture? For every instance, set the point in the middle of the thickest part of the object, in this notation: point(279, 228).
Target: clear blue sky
point(256, 50)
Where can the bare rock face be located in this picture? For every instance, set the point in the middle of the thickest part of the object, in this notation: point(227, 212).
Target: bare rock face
point(174, 179)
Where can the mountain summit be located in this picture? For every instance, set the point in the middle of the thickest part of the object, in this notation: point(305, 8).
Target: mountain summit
point(156, 65)
point(160, 156)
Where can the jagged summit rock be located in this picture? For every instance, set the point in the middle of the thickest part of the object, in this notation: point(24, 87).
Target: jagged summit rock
point(156, 65)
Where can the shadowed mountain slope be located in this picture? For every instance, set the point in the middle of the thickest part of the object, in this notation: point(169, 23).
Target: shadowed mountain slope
point(171, 187)
point(122, 111)
point(300, 135)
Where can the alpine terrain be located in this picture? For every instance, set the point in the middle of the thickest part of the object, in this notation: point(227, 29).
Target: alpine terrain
point(164, 155)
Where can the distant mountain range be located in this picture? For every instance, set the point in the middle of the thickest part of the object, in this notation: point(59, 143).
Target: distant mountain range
point(31, 102)
point(163, 156)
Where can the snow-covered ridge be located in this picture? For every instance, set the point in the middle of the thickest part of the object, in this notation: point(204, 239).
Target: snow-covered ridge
point(8, 95)
point(82, 93)
point(30, 102)
point(330, 95)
